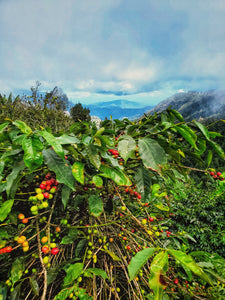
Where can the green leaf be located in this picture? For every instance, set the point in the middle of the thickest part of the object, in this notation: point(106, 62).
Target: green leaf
point(78, 171)
point(143, 181)
point(13, 177)
point(62, 170)
point(151, 153)
point(187, 134)
point(189, 262)
point(217, 149)
point(23, 127)
point(203, 129)
point(126, 147)
point(93, 156)
point(138, 261)
point(5, 209)
point(177, 115)
point(67, 139)
point(32, 156)
point(71, 237)
point(158, 268)
point(73, 271)
point(3, 126)
point(99, 132)
point(162, 207)
point(112, 254)
point(98, 272)
point(34, 286)
point(66, 191)
point(51, 140)
point(97, 181)
point(209, 158)
point(52, 274)
point(95, 205)
point(17, 269)
point(3, 292)
point(115, 174)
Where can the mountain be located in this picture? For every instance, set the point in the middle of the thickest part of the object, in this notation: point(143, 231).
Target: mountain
point(118, 109)
point(196, 105)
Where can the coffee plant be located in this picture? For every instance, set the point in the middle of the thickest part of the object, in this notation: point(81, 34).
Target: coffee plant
point(88, 213)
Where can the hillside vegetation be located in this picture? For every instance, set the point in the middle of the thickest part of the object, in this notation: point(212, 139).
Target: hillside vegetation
point(129, 210)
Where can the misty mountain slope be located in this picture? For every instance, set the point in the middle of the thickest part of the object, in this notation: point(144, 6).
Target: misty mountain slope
point(195, 105)
point(118, 109)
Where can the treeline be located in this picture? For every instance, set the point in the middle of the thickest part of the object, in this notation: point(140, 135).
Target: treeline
point(49, 110)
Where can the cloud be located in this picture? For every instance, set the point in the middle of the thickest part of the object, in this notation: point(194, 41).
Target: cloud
point(112, 48)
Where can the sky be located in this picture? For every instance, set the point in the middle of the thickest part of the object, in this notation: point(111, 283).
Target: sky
point(103, 50)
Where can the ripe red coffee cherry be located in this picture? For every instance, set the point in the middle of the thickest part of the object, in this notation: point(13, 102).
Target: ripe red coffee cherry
point(176, 281)
point(218, 173)
point(42, 186)
point(46, 195)
point(25, 220)
point(55, 250)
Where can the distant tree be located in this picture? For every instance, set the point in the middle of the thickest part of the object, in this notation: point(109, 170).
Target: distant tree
point(58, 99)
point(80, 113)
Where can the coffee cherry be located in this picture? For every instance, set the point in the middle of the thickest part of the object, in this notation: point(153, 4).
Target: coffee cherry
point(21, 216)
point(58, 229)
point(46, 195)
point(25, 220)
point(151, 219)
point(55, 250)
point(44, 239)
point(45, 249)
point(42, 186)
point(176, 281)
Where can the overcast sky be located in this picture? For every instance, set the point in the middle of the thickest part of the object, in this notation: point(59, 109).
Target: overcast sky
point(100, 50)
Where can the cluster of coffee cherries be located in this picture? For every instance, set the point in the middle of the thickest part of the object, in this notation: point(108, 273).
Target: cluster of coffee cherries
point(7, 249)
point(217, 175)
point(132, 192)
point(116, 155)
point(44, 192)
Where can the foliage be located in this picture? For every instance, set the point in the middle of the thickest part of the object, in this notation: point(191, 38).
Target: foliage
point(85, 214)
point(37, 111)
point(80, 113)
point(199, 210)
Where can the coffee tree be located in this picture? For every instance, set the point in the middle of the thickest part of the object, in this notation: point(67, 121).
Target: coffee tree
point(85, 213)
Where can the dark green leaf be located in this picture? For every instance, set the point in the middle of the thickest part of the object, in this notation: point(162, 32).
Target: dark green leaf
point(71, 237)
point(53, 142)
point(115, 174)
point(126, 147)
point(17, 269)
point(95, 205)
point(62, 170)
point(32, 156)
point(138, 261)
point(67, 139)
point(203, 129)
point(98, 272)
point(151, 153)
point(189, 262)
point(66, 191)
point(34, 286)
point(97, 181)
point(5, 209)
point(3, 126)
point(93, 156)
point(217, 149)
point(187, 134)
point(73, 271)
point(13, 177)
